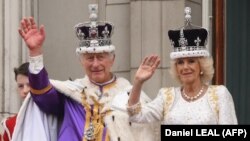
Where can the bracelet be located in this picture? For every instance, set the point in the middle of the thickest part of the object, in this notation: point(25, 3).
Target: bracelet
point(134, 109)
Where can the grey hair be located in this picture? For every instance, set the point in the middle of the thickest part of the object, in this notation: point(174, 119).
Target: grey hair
point(110, 54)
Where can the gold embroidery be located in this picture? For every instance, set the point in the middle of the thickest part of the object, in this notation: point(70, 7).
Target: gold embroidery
point(108, 86)
point(41, 91)
point(214, 100)
point(94, 124)
point(134, 109)
point(169, 101)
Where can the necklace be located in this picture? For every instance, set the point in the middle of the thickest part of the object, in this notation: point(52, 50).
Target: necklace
point(192, 98)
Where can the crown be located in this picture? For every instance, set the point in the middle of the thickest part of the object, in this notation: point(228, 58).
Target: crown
point(94, 36)
point(189, 41)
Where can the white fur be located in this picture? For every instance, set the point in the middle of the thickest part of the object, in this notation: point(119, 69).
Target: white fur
point(183, 54)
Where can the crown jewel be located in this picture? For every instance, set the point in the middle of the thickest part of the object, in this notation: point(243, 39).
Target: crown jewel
point(188, 41)
point(94, 36)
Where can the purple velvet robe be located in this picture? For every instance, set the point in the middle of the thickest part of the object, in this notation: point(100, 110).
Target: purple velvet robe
point(71, 113)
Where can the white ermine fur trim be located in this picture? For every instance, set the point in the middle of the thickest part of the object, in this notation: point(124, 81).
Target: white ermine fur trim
point(95, 49)
point(120, 127)
point(183, 54)
point(118, 120)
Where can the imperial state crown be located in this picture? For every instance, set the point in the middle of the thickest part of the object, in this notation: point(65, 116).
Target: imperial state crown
point(94, 36)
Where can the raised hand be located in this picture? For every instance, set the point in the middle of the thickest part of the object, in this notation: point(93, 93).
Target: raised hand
point(147, 68)
point(32, 35)
point(144, 72)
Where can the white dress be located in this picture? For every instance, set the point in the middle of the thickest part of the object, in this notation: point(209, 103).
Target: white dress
point(216, 106)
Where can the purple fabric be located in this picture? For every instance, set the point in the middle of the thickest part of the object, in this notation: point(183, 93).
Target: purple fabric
point(51, 102)
point(71, 112)
point(40, 81)
point(104, 134)
point(73, 123)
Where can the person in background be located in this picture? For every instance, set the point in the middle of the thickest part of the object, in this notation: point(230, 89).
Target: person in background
point(195, 101)
point(23, 88)
point(84, 104)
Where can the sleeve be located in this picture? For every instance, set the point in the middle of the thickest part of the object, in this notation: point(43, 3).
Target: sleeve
point(227, 114)
point(36, 64)
point(43, 93)
point(8, 127)
point(150, 112)
point(5, 136)
point(119, 104)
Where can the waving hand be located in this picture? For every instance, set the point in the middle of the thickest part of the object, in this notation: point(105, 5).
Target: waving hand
point(144, 72)
point(32, 35)
point(147, 68)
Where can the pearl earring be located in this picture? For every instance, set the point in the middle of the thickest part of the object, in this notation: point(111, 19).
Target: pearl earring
point(201, 73)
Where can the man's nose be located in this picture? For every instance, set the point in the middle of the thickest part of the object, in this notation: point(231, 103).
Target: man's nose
point(96, 62)
point(26, 89)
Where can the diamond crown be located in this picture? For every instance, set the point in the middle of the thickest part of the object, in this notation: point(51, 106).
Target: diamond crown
point(188, 41)
point(94, 33)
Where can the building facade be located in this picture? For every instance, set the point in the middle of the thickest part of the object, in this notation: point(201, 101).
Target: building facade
point(140, 29)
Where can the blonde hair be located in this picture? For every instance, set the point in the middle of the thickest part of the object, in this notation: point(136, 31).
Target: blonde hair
point(206, 66)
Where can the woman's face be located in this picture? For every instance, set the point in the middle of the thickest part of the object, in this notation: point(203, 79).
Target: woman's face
point(23, 87)
point(188, 70)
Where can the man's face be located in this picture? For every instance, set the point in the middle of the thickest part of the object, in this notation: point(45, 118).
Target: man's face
point(23, 87)
point(97, 66)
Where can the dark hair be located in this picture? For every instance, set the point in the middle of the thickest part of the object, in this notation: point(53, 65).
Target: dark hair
point(22, 69)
